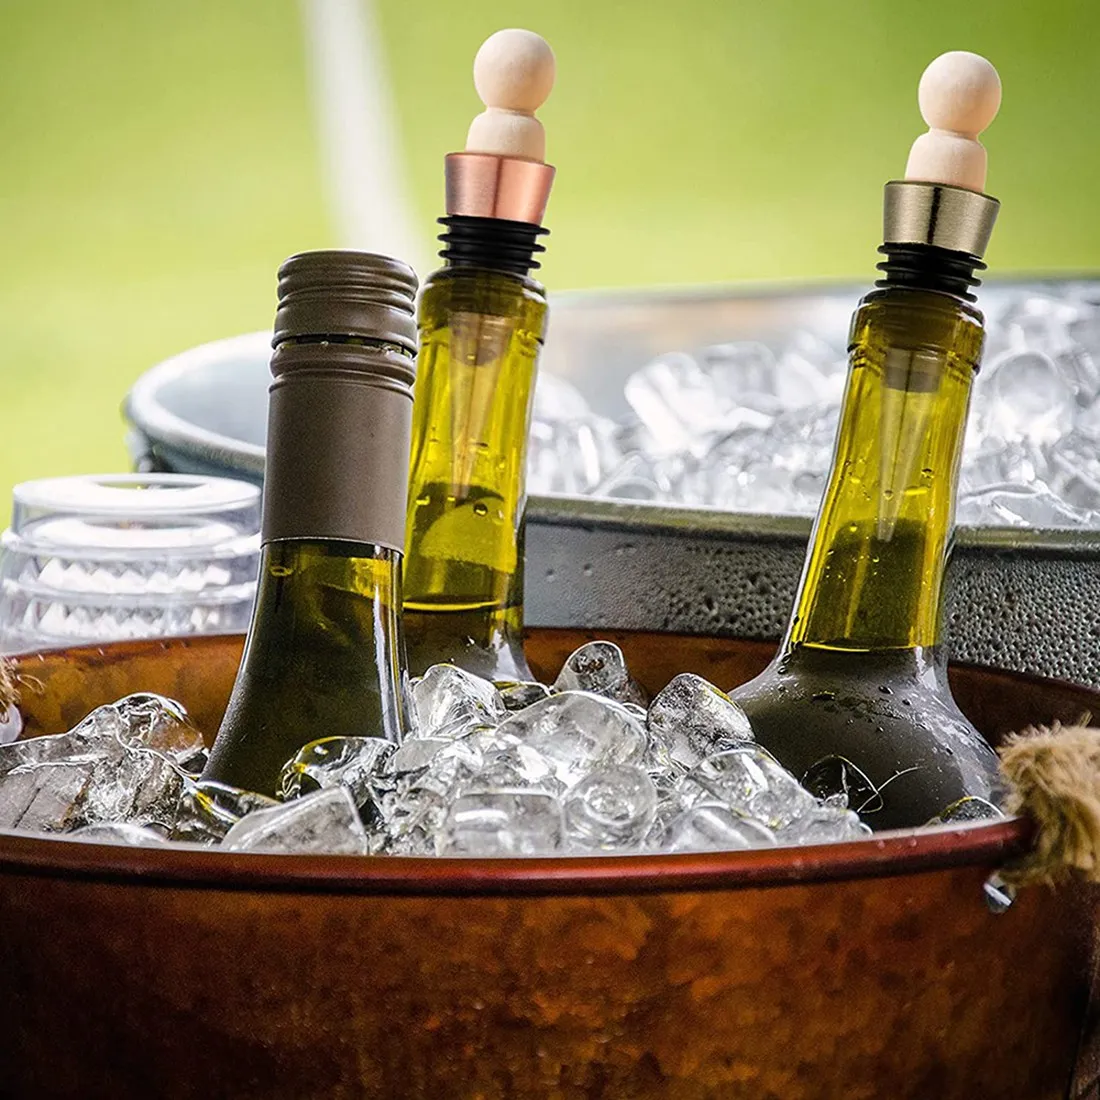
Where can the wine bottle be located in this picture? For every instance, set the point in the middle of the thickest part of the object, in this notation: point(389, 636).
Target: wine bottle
point(324, 655)
point(857, 697)
point(481, 321)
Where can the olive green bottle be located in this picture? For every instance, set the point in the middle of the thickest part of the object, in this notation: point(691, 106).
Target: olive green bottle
point(858, 696)
point(482, 320)
point(324, 655)
point(481, 328)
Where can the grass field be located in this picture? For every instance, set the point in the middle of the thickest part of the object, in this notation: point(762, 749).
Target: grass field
point(160, 160)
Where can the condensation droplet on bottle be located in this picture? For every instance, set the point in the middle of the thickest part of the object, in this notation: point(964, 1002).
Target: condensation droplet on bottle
point(481, 508)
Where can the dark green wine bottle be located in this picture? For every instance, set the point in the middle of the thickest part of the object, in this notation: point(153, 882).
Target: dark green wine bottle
point(857, 696)
point(324, 655)
point(482, 321)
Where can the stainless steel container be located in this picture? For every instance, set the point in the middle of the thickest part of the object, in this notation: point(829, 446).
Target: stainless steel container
point(1027, 600)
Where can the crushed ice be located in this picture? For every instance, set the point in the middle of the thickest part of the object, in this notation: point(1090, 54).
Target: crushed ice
point(582, 768)
point(750, 426)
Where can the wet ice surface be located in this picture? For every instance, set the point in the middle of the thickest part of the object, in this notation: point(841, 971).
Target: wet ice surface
point(575, 771)
point(124, 763)
point(750, 426)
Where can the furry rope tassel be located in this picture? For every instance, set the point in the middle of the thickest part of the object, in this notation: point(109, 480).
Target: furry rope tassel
point(1053, 775)
point(9, 691)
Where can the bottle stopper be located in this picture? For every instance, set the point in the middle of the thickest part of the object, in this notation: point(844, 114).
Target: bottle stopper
point(513, 75)
point(502, 173)
point(941, 200)
point(959, 95)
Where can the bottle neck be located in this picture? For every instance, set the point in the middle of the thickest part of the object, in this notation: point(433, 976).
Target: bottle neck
point(874, 573)
point(480, 335)
point(338, 407)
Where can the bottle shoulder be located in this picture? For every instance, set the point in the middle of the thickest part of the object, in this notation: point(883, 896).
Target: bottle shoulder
point(889, 714)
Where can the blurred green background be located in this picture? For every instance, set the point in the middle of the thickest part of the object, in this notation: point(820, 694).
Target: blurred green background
point(160, 160)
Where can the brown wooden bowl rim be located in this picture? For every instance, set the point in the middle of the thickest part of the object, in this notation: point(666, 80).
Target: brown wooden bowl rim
point(885, 854)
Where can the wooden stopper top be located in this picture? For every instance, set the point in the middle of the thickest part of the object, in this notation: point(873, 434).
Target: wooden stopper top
point(959, 96)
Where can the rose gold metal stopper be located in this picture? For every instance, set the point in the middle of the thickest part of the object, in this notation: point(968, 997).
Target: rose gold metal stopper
point(483, 185)
point(502, 173)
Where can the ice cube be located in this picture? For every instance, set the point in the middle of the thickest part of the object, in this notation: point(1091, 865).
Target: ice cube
point(557, 399)
point(154, 722)
point(827, 824)
point(326, 821)
point(578, 732)
point(415, 754)
point(611, 808)
point(357, 763)
point(636, 477)
point(426, 783)
point(518, 694)
point(101, 771)
point(750, 782)
point(44, 797)
point(1021, 506)
point(693, 720)
point(599, 667)
point(456, 763)
point(93, 739)
point(710, 826)
point(207, 810)
point(119, 833)
point(448, 700)
point(143, 788)
point(501, 822)
point(137, 722)
point(1027, 395)
point(675, 399)
point(518, 766)
point(742, 373)
point(571, 456)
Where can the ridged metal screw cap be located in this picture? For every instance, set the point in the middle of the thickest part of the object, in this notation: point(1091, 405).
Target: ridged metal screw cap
point(335, 293)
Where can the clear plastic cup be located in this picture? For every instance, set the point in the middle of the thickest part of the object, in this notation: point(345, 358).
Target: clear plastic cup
point(107, 557)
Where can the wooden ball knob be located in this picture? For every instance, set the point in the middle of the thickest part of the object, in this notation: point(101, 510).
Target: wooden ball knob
point(960, 92)
point(959, 95)
point(514, 70)
point(513, 74)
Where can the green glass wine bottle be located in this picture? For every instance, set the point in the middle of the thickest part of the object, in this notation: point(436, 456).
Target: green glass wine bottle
point(857, 697)
point(481, 320)
point(324, 655)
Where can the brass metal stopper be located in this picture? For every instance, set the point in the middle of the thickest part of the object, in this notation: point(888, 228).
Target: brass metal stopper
point(915, 212)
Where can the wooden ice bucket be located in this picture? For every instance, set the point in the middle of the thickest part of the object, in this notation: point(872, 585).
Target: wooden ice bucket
point(861, 971)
